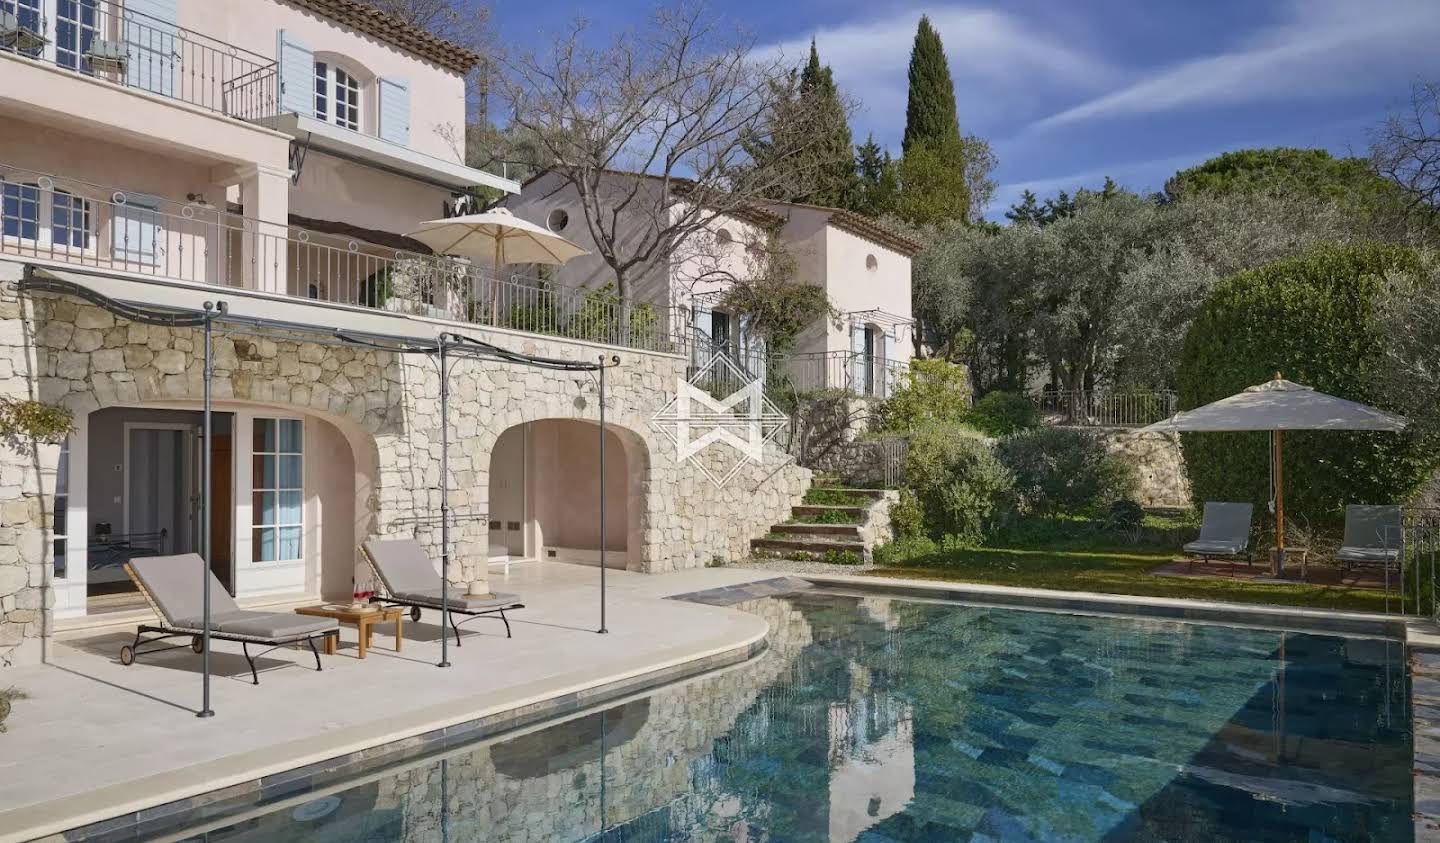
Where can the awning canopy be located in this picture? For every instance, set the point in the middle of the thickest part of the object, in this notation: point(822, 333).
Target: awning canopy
point(1279, 405)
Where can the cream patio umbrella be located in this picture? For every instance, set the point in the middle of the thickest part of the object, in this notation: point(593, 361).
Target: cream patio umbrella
point(1276, 406)
point(497, 236)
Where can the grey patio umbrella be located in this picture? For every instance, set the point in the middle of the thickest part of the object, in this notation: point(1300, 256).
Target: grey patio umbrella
point(1276, 406)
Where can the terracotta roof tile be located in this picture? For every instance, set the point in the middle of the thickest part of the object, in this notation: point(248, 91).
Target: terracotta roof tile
point(365, 18)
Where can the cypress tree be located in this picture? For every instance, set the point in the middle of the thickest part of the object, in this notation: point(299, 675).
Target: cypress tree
point(835, 180)
point(930, 115)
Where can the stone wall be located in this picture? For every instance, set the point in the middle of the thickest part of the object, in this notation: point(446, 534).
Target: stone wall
point(1157, 457)
point(71, 353)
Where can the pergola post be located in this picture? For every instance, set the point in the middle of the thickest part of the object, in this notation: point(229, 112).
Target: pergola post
point(444, 501)
point(602, 629)
point(208, 376)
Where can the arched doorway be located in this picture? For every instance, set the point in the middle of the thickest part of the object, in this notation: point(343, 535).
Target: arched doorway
point(545, 489)
point(289, 491)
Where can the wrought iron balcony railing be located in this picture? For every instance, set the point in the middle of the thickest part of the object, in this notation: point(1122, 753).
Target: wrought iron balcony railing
point(104, 40)
point(47, 218)
point(1106, 408)
point(864, 375)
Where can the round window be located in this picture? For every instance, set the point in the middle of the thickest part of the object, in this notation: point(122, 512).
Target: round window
point(557, 220)
point(723, 236)
point(871, 263)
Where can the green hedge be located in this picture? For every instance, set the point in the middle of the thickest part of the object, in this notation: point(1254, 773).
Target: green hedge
point(1308, 317)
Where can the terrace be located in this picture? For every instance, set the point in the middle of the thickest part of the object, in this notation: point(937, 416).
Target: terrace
point(70, 223)
point(102, 40)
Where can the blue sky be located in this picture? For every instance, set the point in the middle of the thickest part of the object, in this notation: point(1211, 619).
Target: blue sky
point(1068, 93)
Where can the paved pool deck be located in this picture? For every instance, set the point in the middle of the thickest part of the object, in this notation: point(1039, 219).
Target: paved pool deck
point(95, 741)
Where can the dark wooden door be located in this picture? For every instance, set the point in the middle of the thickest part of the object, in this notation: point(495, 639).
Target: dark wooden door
point(222, 508)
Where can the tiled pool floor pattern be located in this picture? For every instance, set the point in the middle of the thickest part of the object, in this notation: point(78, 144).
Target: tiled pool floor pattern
point(880, 719)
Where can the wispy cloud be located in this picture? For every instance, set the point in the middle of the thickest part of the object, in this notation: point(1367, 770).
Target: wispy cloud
point(1001, 64)
point(1326, 48)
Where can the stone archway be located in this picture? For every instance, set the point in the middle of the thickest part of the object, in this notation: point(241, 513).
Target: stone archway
point(545, 488)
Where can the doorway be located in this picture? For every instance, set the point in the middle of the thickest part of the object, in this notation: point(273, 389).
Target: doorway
point(145, 495)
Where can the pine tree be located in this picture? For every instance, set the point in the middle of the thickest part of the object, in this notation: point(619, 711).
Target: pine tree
point(835, 160)
point(930, 114)
point(875, 182)
point(822, 160)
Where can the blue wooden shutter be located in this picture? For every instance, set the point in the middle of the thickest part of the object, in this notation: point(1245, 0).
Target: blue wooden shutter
point(887, 364)
point(297, 75)
point(857, 357)
point(150, 32)
point(137, 232)
point(395, 110)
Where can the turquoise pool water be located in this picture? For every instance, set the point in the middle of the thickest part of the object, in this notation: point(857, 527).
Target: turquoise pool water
point(877, 719)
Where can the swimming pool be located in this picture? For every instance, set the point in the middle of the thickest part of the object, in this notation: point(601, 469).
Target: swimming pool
point(880, 719)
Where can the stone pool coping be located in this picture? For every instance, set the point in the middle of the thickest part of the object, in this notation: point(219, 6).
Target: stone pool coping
point(172, 802)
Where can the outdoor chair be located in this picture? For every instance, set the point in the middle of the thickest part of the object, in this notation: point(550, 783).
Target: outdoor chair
point(168, 584)
point(410, 579)
point(1225, 533)
point(16, 36)
point(1372, 535)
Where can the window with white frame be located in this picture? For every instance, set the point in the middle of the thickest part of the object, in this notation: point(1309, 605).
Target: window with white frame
point(62, 505)
point(48, 216)
point(277, 480)
point(337, 95)
point(76, 25)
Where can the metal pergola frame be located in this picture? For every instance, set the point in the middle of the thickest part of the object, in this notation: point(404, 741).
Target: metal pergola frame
point(447, 344)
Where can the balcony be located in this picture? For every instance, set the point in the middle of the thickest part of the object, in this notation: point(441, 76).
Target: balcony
point(101, 40)
point(862, 375)
point(51, 220)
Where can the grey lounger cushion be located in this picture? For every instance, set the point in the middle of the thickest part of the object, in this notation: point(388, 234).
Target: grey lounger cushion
point(268, 624)
point(1204, 548)
point(458, 600)
point(1225, 530)
point(174, 585)
point(403, 565)
point(1372, 533)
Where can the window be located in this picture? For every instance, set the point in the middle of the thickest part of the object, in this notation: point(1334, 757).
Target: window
point(720, 330)
point(75, 25)
point(70, 220)
point(337, 96)
point(724, 237)
point(62, 504)
point(557, 220)
point(48, 215)
point(29, 16)
point(278, 483)
point(871, 263)
point(20, 210)
point(322, 90)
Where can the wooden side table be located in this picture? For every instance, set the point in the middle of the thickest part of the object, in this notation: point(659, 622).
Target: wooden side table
point(363, 619)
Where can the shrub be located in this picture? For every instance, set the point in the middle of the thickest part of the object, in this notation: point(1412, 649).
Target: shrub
point(1065, 470)
point(958, 483)
point(931, 391)
point(1311, 318)
point(1004, 413)
point(906, 517)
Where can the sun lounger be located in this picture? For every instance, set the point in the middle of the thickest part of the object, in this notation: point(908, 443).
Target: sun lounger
point(410, 579)
point(1372, 535)
point(170, 585)
point(1225, 532)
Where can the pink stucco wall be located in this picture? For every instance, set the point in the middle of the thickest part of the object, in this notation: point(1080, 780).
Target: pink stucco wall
point(437, 98)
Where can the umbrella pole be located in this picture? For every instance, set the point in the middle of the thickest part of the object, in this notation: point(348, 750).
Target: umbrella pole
point(1279, 449)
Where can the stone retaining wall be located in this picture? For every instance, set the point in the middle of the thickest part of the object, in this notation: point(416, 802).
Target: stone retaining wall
point(1160, 463)
point(77, 355)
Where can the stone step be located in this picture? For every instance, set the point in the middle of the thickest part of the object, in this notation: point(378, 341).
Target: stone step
point(872, 494)
point(856, 512)
point(846, 530)
point(809, 545)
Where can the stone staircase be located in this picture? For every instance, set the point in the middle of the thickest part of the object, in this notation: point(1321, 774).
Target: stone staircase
point(832, 525)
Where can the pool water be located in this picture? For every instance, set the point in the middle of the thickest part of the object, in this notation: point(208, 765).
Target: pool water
point(878, 719)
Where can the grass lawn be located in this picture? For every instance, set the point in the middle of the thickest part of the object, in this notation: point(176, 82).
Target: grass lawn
point(1113, 568)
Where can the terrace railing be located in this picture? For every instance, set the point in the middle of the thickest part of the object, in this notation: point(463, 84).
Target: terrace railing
point(1105, 408)
point(862, 374)
point(43, 217)
point(104, 40)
